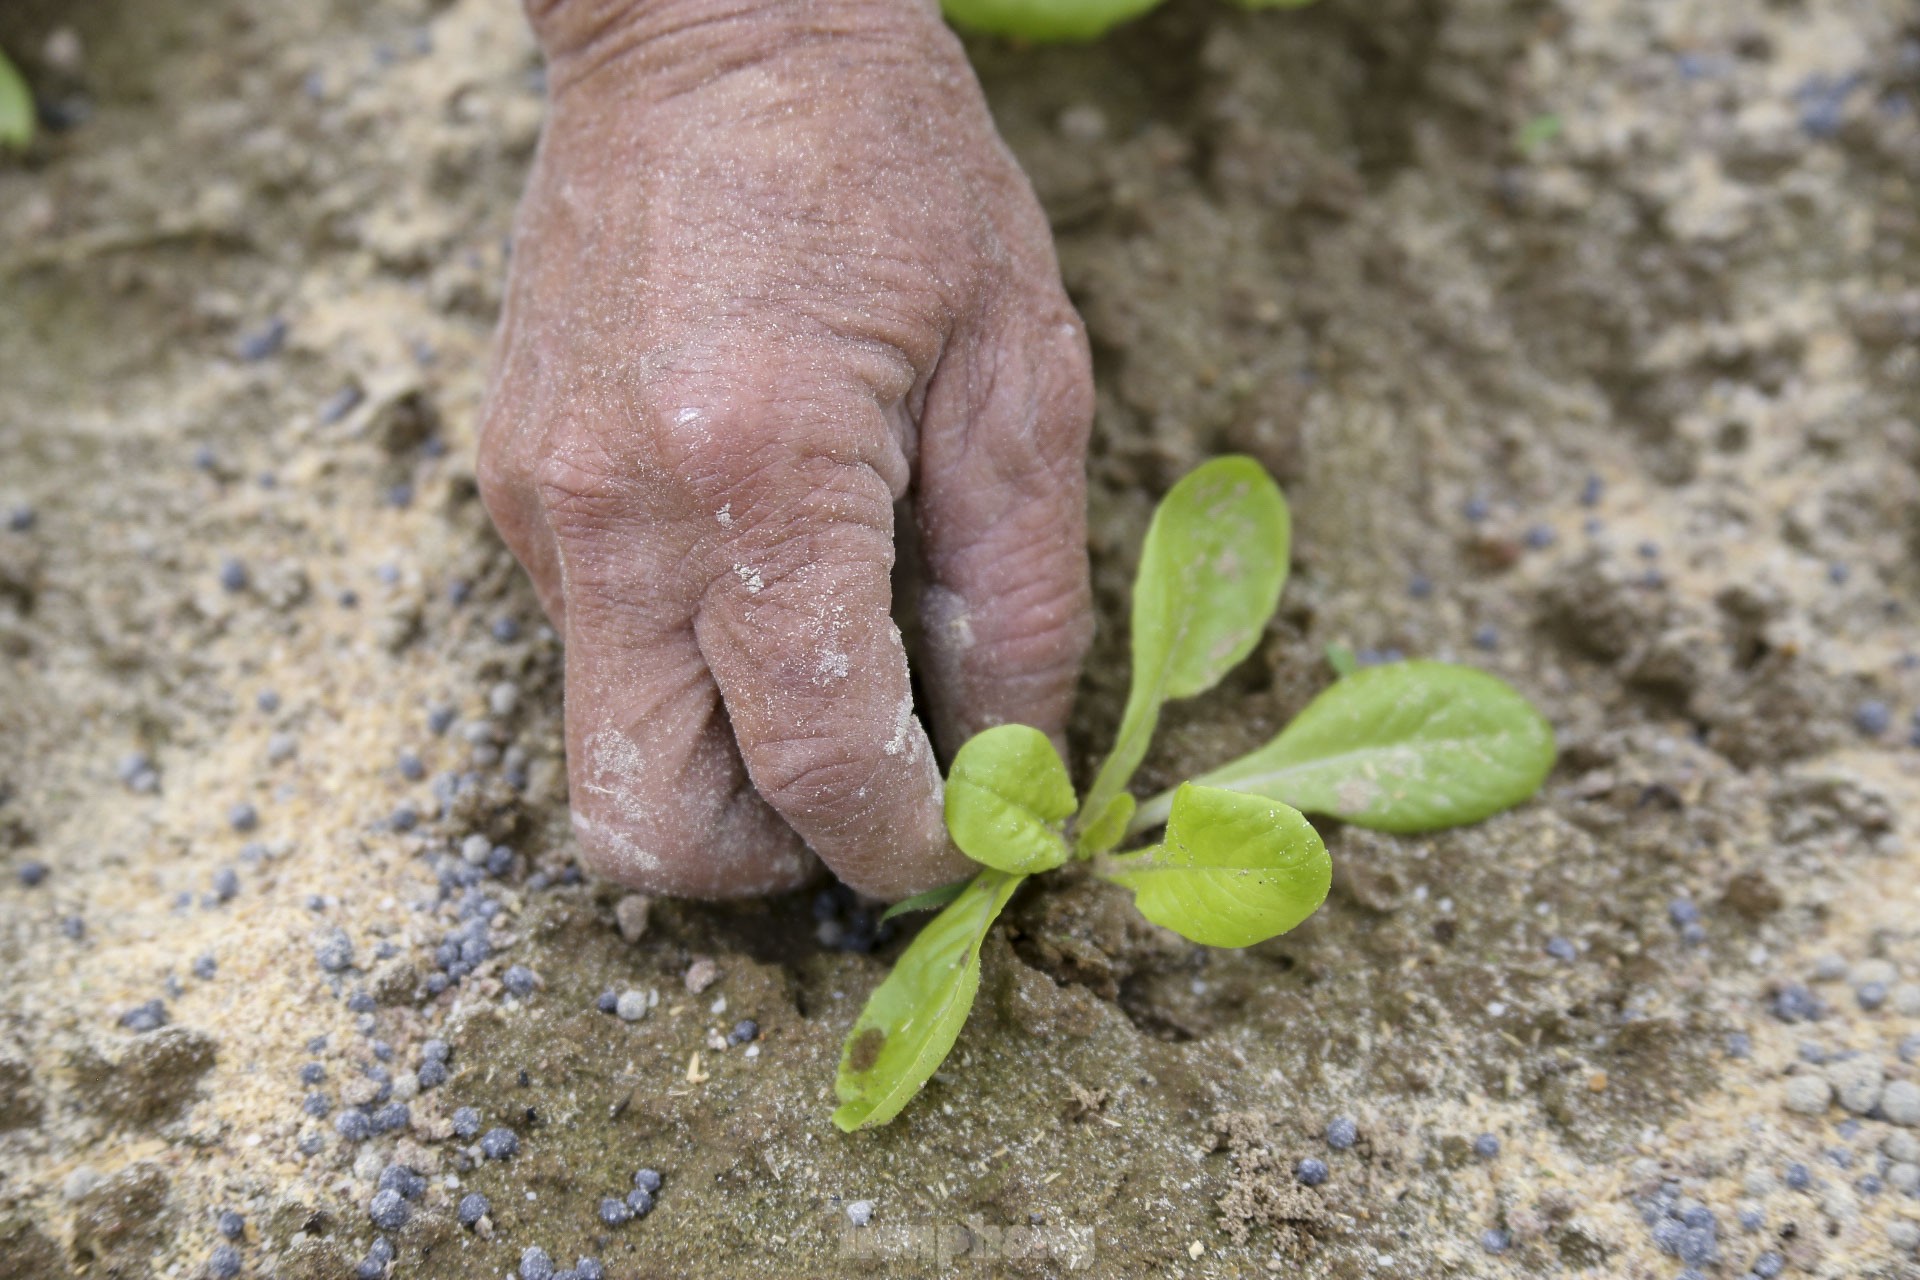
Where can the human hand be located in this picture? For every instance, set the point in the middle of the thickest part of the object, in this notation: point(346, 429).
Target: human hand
point(775, 273)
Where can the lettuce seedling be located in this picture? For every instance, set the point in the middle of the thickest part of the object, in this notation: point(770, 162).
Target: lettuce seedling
point(1406, 746)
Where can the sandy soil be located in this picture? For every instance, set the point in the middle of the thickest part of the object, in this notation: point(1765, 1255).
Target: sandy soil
point(1583, 337)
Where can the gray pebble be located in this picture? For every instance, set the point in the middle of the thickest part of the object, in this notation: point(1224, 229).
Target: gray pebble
point(1900, 1103)
point(1807, 1095)
point(334, 951)
point(473, 1207)
point(631, 1006)
point(860, 1212)
point(1829, 968)
point(1856, 1083)
point(389, 1210)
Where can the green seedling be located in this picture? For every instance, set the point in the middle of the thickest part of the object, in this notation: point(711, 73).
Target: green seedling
point(1407, 746)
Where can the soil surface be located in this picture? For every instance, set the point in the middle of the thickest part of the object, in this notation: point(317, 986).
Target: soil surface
point(1586, 342)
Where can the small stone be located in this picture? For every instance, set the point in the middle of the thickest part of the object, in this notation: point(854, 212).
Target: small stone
point(640, 1201)
point(1872, 718)
point(466, 1122)
point(1881, 972)
point(614, 1211)
point(473, 1207)
point(31, 873)
point(648, 1180)
point(860, 1212)
point(389, 1210)
point(231, 1225)
point(1905, 999)
point(223, 1263)
point(142, 1018)
point(499, 1144)
point(519, 980)
point(243, 817)
point(589, 1269)
point(701, 974)
point(1494, 1240)
point(631, 914)
point(334, 951)
point(503, 698)
point(1561, 949)
point(1856, 1083)
point(631, 1005)
point(1486, 1146)
point(1900, 1103)
point(1807, 1095)
point(1342, 1132)
point(398, 1177)
point(1310, 1172)
point(745, 1031)
point(1794, 1003)
point(535, 1264)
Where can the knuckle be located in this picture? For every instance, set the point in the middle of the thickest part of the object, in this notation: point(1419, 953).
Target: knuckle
point(582, 485)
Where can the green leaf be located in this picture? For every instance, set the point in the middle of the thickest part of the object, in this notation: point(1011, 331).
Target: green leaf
point(1341, 659)
point(1107, 829)
point(1043, 19)
point(1210, 576)
point(16, 107)
point(930, 900)
point(1234, 869)
point(913, 1018)
point(1409, 746)
point(1007, 796)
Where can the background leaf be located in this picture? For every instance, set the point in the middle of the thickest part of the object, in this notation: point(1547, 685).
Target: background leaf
point(1234, 870)
point(1043, 19)
point(1409, 746)
point(1210, 576)
point(16, 107)
point(913, 1018)
point(927, 900)
point(1102, 831)
point(1007, 796)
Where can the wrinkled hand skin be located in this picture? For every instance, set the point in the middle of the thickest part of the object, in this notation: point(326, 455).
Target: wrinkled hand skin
point(776, 283)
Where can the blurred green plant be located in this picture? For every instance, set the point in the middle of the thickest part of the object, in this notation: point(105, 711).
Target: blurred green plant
point(16, 106)
point(1052, 20)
